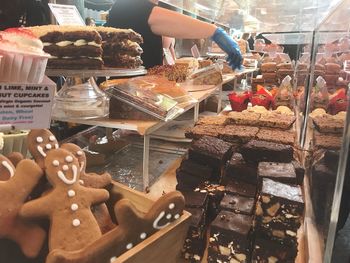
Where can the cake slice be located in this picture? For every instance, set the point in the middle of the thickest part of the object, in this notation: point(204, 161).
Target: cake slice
point(212, 120)
point(202, 130)
point(327, 124)
point(71, 47)
point(277, 136)
point(276, 120)
point(238, 133)
point(243, 118)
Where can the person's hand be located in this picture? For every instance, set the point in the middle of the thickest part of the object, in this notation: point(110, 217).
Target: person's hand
point(227, 44)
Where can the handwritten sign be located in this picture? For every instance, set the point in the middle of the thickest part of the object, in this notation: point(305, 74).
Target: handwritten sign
point(26, 106)
point(66, 14)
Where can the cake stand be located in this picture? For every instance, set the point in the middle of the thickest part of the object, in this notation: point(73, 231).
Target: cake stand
point(80, 98)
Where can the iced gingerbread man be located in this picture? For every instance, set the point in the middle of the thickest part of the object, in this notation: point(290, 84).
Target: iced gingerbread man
point(14, 191)
point(73, 225)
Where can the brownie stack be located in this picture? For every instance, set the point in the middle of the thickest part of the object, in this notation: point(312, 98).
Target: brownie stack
point(121, 47)
point(279, 214)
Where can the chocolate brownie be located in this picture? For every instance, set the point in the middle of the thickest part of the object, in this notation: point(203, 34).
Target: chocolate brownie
point(210, 151)
point(276, 120)
point(235, 187)
point(331, 159)
point(300, 172)
point(201, 130)
point(195, 199)
point(329, 142)
point(327, 124)
point(267, 251)
point(243, 118)
point(203, 171)
point(212, 120)
point(277, 136)
point(238, 133)
point(238, 169)
point(281, 172)
point(238, 204)
point(189, 181)
point(195, 241)
point(230, 238)
point(279, 211)
point(258, 151)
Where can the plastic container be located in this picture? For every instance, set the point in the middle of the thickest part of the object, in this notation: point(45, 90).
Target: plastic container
point(15, 142)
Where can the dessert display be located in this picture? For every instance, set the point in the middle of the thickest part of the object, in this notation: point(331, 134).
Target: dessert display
point(121, 47)
point(76, 229)
point(206, 76)
point(22, 57)
point(71, 47)
point(175, 72)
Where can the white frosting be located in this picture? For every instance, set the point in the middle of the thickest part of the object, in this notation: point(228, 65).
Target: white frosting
point(93, 43)
point(76, 222)
point(65, 167)
point(69, 159)
point(79, 153)
point(78, 43)
point(143, 235)
point(113, 259)
point(74, 207)
point(31, 43)
point(8, 167)
point(55, 163)
point(129, 246)
point(52, 138)
point(177, 216)
point(56, 146)
point(71, 193)
point(64, 179)
point(171, 206)
point(81, 182)
point(168, 216)
point(41, 151)
point(64, 43)
point(156, 222)
point(48, 146)
point(82, 166)
point(39, 139)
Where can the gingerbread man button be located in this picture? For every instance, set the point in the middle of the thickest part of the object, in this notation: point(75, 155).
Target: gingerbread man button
point(14, 192)
point(40, 142)
point(7, 169)
point(87, 179)
point(73, 225)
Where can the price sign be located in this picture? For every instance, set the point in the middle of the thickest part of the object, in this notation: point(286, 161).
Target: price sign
point(26, 106)
point(66, 14)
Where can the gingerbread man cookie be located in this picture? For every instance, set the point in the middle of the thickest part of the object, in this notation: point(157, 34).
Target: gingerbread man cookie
point(7, 169)
point(73, 225)
point(14, 192)
point(134, 227)
point(87, 179)
point(15, 157)
point(40, 142)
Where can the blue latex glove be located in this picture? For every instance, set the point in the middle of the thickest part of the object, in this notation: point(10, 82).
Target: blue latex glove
point(227, 44)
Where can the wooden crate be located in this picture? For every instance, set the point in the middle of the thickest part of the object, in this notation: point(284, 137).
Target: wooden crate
point(163, 246)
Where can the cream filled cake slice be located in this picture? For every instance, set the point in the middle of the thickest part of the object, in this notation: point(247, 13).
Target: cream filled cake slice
point(71, 47)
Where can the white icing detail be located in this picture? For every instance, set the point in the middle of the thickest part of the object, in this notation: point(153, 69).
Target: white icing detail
point(62, 176)
point(71, 193)
point(80, 42)
point(69, 159)
point(113, 259)
point(56, 146)
point(48, 146)
point(177, 216)
point(171, 206)
point(64, 43)
point(47, 44)
point(81, 181)
point(155, 223)
point(79, 153)
point(39, 139)
point(93, 43)
point(55, 163)
point(76, 222)
point(168, 216)
point(82, 166)
point(143, 235)
point(74, 207)
point(65, 168)
point(129, 246)
point(41, 151)
point(8, 167)
point(52, 138)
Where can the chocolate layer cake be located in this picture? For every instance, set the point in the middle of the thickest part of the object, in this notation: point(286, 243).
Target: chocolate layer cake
point(243, 118)
point(230, 238)
point(277, 136)
point(281, 172)
point(238, 169)
point(276, 120)
point(201, 130)
point(212, 120)
point(240, 188)
point(238, 204)
point(258, 151)
point(71, 47)
point(238, 133)
point(210, 151)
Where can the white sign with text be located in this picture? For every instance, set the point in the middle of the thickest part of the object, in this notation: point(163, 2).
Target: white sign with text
point(66, 14)
point(26, 106)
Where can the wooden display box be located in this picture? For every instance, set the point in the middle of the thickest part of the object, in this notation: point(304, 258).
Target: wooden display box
point(164, 245)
